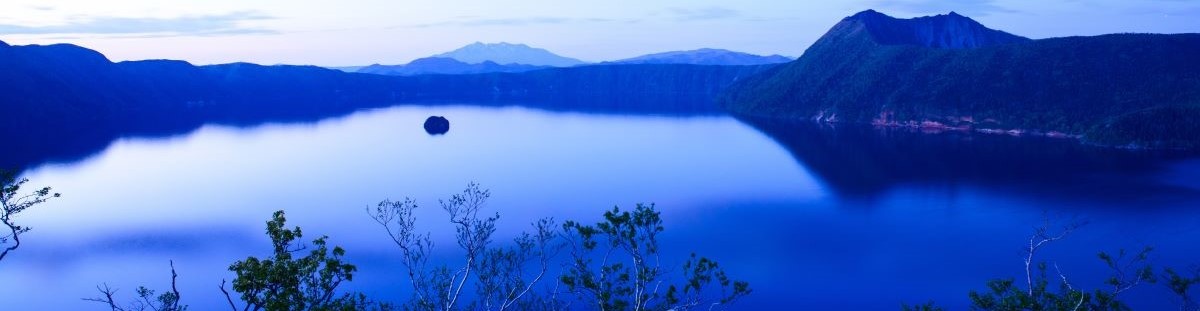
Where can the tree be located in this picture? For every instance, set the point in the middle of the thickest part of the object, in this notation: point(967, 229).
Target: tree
point(167, 301)
point(287, 282)
point(490, 277)
point(283, 282)
point(1128, 271)
point(503, 278)
point(634, 281)
point(13, 203)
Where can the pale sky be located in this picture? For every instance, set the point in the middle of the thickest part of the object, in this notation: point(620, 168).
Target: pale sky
point(362, 32)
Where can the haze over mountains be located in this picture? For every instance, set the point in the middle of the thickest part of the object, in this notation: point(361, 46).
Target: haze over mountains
point(443, 65)
point(506, 57)
point(950, 72)
point(705, 57)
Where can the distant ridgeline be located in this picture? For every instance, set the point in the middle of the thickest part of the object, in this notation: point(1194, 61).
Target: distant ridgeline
point(506, 57)
point(63, 101)
point(442, 65)
point(948, 71)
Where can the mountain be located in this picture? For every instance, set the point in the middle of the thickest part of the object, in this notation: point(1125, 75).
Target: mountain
point(948, 71)
point(61, 102)
point(507, 53)
point(705, 57)
point(950, 31)
point(441, 65)
point(347, 68)
point(446, 63)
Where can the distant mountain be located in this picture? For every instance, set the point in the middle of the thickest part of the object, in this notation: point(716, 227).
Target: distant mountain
point(948, 71)
point(347, 68)
point(444, 64)
point(705, 57)
point(441, 65)
point(507, 53)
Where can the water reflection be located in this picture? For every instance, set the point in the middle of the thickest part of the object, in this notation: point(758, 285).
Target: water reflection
point(68, 143)
point(861, 162)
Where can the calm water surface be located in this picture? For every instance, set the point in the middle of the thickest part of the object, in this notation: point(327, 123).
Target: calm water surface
point(842, 218)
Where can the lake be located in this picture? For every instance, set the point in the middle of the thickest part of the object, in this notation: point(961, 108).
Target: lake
point(812, 216)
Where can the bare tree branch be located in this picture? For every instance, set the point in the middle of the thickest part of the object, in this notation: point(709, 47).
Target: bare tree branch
point(228, 298)
point(107, 298)
point(1041, 236)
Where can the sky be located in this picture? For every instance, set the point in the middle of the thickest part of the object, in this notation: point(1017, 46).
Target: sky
point(363, 32)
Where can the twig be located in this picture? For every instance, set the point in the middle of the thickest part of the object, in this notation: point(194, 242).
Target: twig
point(228, 298)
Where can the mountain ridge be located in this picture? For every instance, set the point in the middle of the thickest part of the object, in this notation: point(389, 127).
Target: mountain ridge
point(443, 65)
point(945, 31)
point(508, 53)
point(704, 56)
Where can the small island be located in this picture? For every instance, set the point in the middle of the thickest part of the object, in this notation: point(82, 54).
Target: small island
point(437, 125)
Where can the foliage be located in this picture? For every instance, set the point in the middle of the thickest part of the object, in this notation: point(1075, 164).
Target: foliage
point(13, 203)
point(928, 306)
point(1129, 269)
point(1171, 126)
point(508, 278)
point(1180, 284)
point(1003, 294)
point(490, 278)
point(501, 276)
point(285, 281)
point(634, 283)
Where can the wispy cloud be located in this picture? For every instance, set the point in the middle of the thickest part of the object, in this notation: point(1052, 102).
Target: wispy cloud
point(672, 14)
point(475, 21)
point(701, 14)
point(969, 7)
point(199, 25)
point(1161, 7)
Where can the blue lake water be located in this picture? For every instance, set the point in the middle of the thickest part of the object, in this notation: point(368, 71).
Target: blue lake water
point(828, 218)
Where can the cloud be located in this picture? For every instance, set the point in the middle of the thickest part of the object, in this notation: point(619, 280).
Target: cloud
point(200, 25)
point(1157, 7)
point(701, 14)
point(677, 14)
point(474, 21)
point(968, 7)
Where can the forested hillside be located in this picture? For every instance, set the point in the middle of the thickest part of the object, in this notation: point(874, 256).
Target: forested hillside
point(949, 71)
